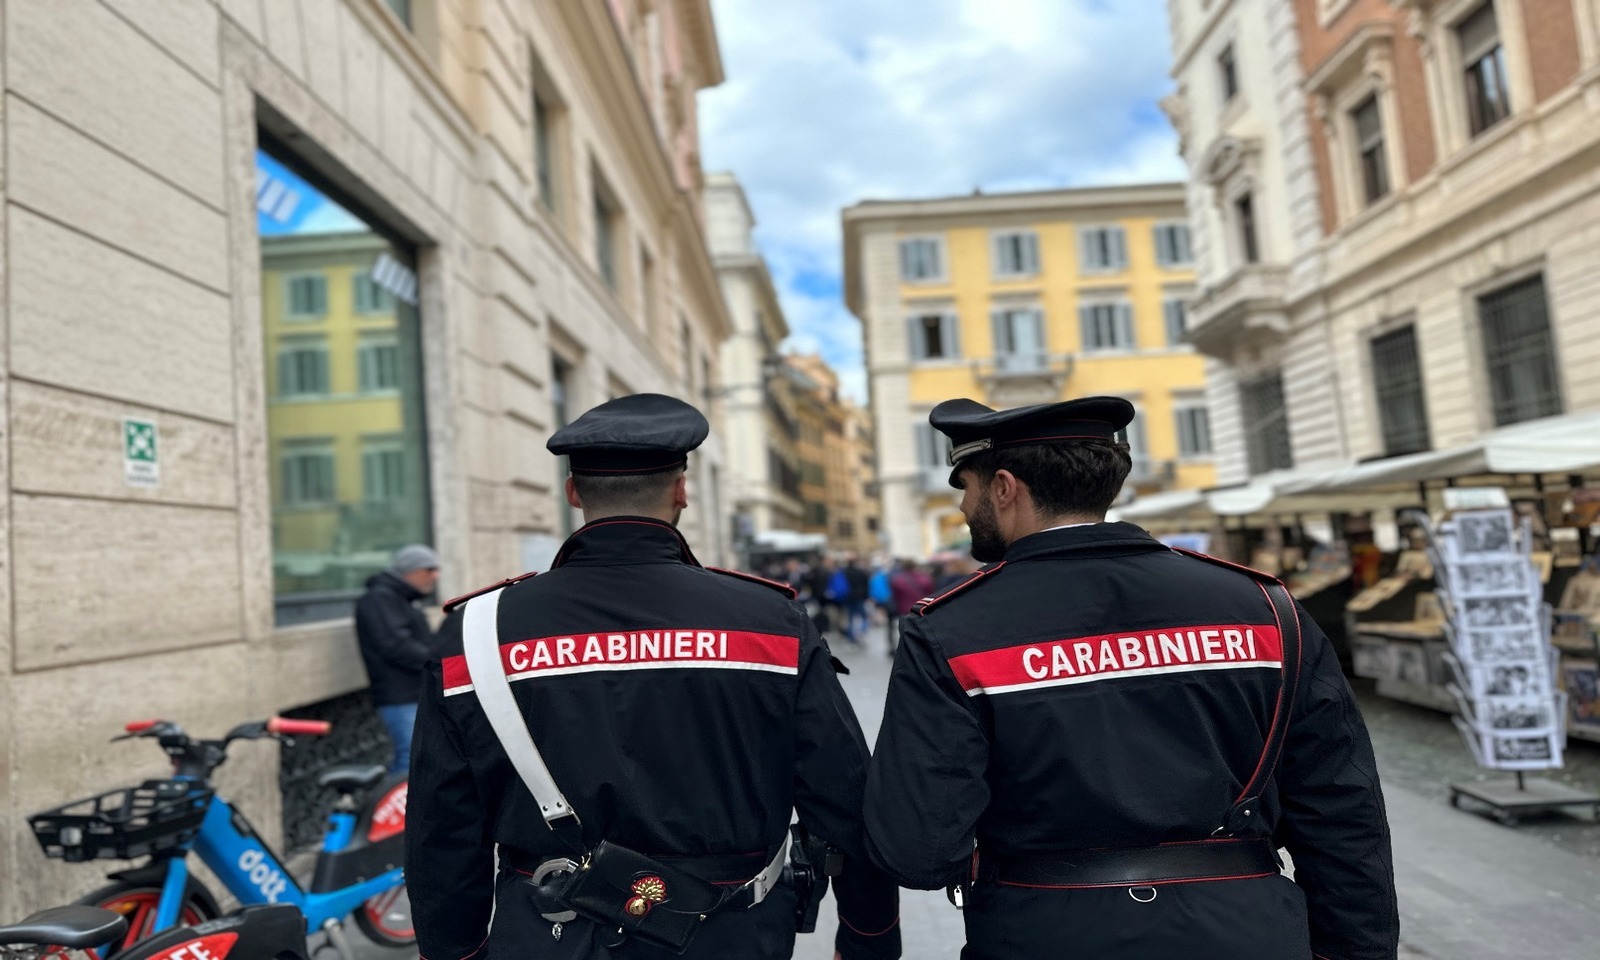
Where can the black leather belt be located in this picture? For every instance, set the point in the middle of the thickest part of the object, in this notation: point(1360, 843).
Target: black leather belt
point(1141, 867)
point(729, 869)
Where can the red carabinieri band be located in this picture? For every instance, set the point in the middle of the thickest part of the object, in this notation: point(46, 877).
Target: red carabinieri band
point(635, 650)
point(1133, 653)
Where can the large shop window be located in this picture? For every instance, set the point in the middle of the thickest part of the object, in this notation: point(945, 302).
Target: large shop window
point(345, 426)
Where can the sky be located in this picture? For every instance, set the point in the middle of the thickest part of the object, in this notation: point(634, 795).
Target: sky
point(830, 102)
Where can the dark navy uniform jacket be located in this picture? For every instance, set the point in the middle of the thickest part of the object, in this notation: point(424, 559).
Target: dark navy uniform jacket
point(683, 712)
point(1097, 690)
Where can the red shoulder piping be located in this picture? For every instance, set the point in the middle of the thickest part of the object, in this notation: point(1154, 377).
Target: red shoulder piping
point(1250, 572)
point(778, 585)
point(458, 601)
point(923, 606)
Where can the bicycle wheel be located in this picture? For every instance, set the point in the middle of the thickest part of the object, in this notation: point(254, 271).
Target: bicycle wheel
point(138, 901)
point(386, 919)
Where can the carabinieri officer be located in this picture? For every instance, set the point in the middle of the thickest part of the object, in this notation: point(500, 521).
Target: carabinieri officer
point(1099, 743)
point(683, 712)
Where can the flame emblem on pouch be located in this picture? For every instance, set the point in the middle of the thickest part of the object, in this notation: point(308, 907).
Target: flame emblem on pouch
point(647, 892)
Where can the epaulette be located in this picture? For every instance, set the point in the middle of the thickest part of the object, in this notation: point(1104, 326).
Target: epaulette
point(1250, 572)
point(928, 603)
point(458, 601)
point(777, 585)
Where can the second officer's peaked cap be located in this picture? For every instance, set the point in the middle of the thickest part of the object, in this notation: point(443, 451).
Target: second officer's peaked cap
point(639, 433)
point(974, 428)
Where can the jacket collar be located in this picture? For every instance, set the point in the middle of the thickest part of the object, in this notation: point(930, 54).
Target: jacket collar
point(1099, 539)
point(625, 540)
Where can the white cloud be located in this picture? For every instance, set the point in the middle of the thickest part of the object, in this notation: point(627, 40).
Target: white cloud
point(330, 218)
point(830, 102)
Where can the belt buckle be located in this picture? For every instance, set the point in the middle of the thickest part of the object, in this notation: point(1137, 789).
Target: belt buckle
point(554, 868)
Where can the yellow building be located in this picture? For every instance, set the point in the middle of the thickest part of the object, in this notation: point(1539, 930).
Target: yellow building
point(344, 446)
point(1013, 299)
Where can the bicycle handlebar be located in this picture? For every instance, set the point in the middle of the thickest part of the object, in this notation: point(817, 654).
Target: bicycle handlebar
point(298, 728)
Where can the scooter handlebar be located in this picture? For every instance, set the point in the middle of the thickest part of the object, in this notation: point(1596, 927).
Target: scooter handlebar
point(298, 728)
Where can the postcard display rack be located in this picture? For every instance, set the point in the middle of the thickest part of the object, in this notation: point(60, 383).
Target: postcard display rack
point(1511, 713)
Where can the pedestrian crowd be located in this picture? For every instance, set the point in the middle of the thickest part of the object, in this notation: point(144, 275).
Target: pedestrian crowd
point(845, 595)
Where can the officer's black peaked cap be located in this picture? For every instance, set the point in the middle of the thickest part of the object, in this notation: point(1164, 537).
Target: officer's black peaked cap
point(639, 433)
point(974, 428)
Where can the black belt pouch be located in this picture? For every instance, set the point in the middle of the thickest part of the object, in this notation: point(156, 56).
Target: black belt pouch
point(641, 897)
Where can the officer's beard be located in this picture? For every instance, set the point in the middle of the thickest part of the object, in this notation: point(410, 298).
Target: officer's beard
point(988, 545)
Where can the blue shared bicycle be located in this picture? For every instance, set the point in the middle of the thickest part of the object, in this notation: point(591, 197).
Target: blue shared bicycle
point(358, 872)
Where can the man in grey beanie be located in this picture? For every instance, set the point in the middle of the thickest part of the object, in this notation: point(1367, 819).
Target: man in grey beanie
point(396, 641)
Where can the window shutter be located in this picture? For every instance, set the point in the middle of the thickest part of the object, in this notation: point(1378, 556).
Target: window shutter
point(1001, 331)
point(1085, 250)
point(1125, 338)
point(1119, 248)
point(949, 332)
point(1030, 253)
point(924, 443)
point(1180, 234)
point(1038, 331)
point(1086, 328)
point(916, 343)
point(905, 260)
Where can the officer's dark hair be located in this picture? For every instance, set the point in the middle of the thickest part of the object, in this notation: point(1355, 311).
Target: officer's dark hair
point(626, 492)
point(1078, 478)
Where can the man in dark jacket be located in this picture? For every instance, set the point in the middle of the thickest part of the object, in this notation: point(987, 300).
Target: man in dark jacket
point(396, 641)
point(1082, 735)
point(683, 713)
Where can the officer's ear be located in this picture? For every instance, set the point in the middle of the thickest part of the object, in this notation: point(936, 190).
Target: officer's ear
point(1005, 487)
point(680, 492)
point(572, 494)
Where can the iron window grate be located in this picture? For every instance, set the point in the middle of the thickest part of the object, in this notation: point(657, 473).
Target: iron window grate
point(1266, 424)
point(1397, 381)
point(1519, 353)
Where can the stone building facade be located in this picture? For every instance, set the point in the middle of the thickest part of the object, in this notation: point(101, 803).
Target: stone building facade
point(759, 406)
point(506, 200)
point(1426, 216)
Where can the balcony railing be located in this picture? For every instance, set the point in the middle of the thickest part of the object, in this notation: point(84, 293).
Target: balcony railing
point(1015, 379)
point(1248, 305)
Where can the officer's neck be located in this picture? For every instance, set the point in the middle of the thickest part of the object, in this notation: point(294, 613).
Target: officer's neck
point(669, 517)
point(1029, 523)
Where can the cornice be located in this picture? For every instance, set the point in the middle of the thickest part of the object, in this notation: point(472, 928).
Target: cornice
point(1003, 204)
point(699, 26)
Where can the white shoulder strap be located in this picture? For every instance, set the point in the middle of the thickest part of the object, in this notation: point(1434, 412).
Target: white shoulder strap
point(480, 636)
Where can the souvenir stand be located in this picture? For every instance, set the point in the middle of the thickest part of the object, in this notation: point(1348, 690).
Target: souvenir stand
point(1503, 669)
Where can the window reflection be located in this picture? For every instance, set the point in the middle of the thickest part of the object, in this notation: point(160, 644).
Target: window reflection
point(345, 426)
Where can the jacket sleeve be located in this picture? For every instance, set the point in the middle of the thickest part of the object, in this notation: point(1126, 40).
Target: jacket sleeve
point(449, 848)
point(388, 629)
point(1334, 823)
point(830, 775)
point(926, 789)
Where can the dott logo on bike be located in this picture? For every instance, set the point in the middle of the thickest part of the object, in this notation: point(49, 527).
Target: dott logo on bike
point(268, 880)
point(389, 817)
point(647, 892)
point(214, 947)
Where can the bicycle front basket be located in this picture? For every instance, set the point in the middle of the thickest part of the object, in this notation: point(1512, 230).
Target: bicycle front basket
point(124, 824)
